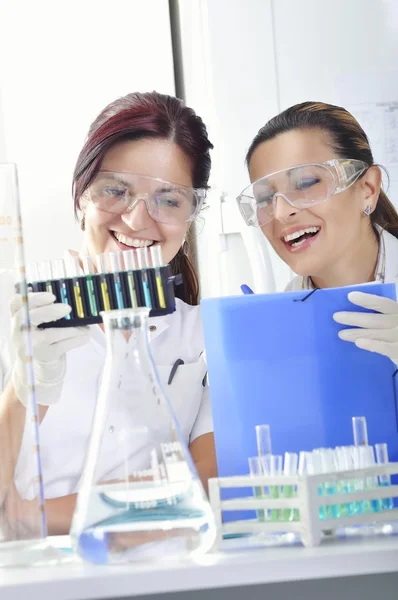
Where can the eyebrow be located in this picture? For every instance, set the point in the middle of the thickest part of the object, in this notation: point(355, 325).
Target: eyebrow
point(114, 177)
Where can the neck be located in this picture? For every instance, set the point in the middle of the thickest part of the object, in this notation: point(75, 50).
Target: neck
point(357, 266)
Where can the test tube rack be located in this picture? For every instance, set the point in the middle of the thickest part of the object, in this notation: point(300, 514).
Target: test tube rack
point(89, 295)
point(306, 501)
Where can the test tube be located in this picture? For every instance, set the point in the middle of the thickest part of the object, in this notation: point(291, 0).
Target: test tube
point(157, 262)
point(255, 468)
point(102, 268)
point(89, 270)
point(275, 470)
point(60, 274)
point(367, 459)
point(143, 265)
point(77, 292)
point(344, 463)
point(130, 264)
point(116, 267)
point(384, 480)
point(360, 431)
point(328, 465)
point(364, 506)
point(263, 439)
point(313, 465)
point(290, 491)
point(46, 274)
point(33, 272)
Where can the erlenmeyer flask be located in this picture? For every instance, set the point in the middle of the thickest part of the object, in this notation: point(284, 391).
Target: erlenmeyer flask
point(22, 517)
point(143, 500)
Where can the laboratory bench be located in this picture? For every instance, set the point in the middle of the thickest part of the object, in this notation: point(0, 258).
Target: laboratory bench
point(364, 569)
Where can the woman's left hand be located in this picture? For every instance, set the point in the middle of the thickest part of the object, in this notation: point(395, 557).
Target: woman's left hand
point(378, 332)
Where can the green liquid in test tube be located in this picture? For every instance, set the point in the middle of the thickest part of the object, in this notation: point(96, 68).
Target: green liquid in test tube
point(275, 470)
point(264, 450)
point(89, 270)
point(255, 467)
point(289, 491)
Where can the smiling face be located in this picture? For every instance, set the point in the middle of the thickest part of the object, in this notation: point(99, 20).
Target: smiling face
point(108, 232)
point(311, 240)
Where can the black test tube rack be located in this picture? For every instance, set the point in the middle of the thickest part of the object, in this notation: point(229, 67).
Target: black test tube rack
point(113, 283)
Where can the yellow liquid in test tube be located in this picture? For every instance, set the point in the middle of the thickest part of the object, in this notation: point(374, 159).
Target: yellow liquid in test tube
point(105, 295)
point(159, 285)
point(78, 300)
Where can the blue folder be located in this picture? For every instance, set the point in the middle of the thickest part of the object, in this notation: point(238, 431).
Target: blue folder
point(277, 359)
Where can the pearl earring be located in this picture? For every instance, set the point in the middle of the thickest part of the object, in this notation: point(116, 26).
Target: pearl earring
point(367, 211)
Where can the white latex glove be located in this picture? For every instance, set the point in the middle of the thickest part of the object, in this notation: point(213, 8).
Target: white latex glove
point(49, 347)
point(378, 332)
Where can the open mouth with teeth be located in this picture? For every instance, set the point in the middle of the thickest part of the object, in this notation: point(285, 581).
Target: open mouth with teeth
point(125, 241)
point(300, 237)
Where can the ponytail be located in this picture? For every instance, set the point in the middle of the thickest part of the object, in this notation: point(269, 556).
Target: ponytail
point(385, 215)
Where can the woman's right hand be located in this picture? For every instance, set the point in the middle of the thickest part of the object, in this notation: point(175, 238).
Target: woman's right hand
point(49, 346)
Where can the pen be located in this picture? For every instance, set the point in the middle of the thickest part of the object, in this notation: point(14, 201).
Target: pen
point(246, 290)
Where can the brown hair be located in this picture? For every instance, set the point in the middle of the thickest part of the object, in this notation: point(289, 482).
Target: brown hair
point(149, 115)
point(348, 141)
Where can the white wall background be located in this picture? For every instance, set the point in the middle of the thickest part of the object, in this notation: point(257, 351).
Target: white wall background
point(60, 64)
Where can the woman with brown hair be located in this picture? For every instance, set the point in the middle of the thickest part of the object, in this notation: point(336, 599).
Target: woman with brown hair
point(316, 194)
point(140, 180)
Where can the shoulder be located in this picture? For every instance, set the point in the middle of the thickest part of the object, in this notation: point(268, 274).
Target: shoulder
point(295, 284)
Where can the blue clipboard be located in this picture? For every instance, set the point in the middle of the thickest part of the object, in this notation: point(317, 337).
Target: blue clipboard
point(277, 359)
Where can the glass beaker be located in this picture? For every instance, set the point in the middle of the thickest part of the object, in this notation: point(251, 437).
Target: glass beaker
point(150, 504)
point(22, 517)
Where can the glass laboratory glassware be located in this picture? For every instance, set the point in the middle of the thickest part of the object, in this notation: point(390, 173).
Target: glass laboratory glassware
point(290, 466)
point(22, 517)
point(141, 498)
point(384, 480)
point(256, 470)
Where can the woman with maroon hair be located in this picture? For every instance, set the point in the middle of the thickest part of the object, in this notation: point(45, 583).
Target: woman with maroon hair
point(140, 180)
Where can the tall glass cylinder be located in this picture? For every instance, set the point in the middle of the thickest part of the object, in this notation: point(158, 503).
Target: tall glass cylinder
point(22, 515)
point(141, 497)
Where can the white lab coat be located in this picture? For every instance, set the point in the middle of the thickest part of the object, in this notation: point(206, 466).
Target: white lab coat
point(391, 264)
point(65, 429)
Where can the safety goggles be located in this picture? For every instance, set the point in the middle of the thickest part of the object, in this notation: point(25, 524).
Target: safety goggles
point(166, 202)
point(302, 186)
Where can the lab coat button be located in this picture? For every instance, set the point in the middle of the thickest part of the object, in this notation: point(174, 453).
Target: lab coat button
point(152, 328)
point(111, 429)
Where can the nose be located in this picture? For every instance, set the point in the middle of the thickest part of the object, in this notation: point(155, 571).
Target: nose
point(283, 210)
point(138, 218)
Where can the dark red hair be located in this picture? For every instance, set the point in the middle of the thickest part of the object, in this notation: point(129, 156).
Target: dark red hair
point(149, 115)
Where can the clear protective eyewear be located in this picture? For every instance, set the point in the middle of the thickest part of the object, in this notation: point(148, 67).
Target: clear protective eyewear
point(301, 186)
point(166, 202)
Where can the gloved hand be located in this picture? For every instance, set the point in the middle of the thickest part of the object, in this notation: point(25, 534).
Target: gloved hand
point(378, 332)
point(49, 347)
